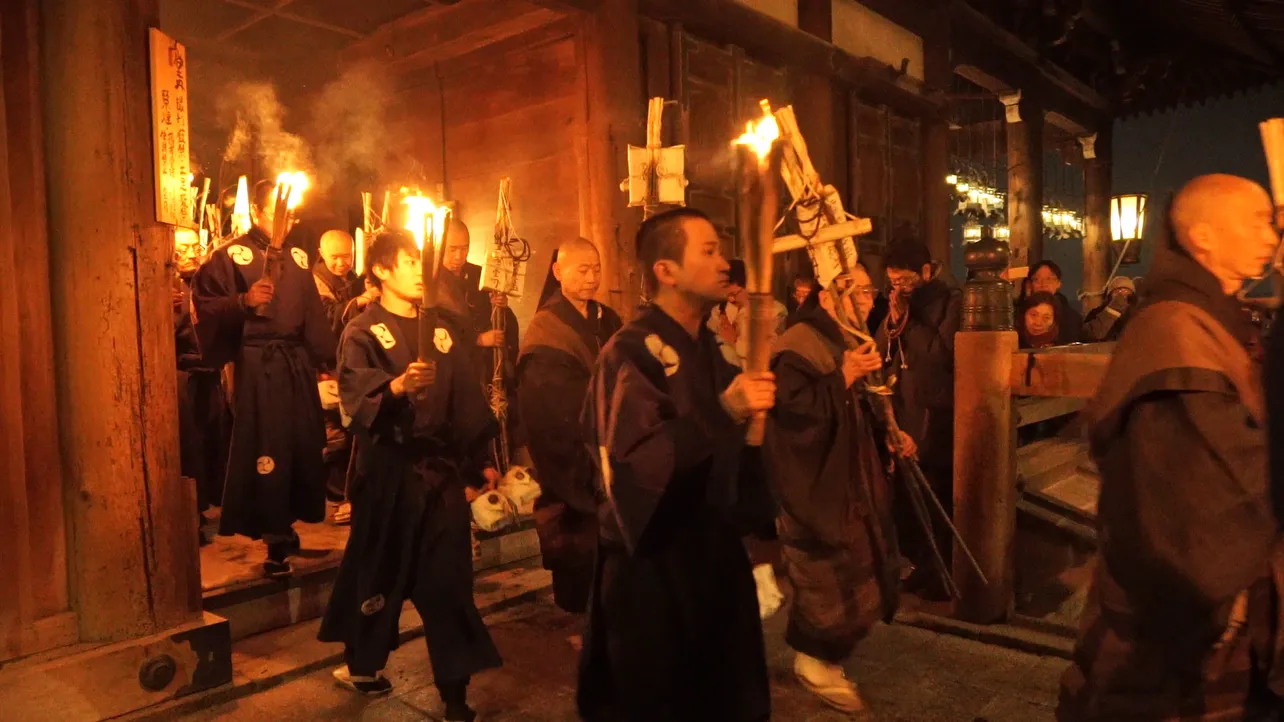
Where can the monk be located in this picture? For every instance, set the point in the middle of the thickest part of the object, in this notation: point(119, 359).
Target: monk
point(1183, 614)
point(337, 286)
point(673, 627)
point(553, 370)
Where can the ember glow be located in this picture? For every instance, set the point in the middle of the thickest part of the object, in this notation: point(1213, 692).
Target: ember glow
point(761, 134)
point(295, 184)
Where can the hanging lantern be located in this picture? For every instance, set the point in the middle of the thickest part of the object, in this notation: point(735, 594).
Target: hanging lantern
point(1128, 225)
point(951, 180)
point(1002, 232)
point(971, 232)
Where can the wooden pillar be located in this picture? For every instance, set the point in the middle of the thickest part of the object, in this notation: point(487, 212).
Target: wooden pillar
point(820, 105)
point(1025, 178)
point(1096, 231)
point(985, 492)
point(938, 73)
point(134, 556)
point(614, 117)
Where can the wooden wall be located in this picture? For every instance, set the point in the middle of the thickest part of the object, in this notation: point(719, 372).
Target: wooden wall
point(488, 89)
point(34, 603)
point(720, 87)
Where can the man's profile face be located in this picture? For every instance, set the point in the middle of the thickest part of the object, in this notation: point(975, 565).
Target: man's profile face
point(579, 270)
point(904, 280)
point(1246, 236)
point(405, 279)
point(703, 271)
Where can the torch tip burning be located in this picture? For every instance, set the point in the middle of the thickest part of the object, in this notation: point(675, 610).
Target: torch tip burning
point(295, 183)
point(419, 209)
point(761, 134)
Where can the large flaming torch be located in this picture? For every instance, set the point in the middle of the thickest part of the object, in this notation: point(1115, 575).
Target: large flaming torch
point(758, 201)
point(241, 209)
point(289, 194)
point(430, 225)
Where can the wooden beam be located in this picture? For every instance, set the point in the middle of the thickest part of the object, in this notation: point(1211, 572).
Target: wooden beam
point(998, 61)
point(1025, 180)
point(769, 40)
point(1096, 230)
point(134, 559)
point(292, 17)
point(935, 136)
point(571, 6)
point(1073, 372)
point(985, 492)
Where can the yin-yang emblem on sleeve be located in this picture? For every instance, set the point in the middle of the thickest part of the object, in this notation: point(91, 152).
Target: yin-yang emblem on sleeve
point(300, 257)
point(442, 340)
point(240, 255)
point(664, 353)
point(383, 336)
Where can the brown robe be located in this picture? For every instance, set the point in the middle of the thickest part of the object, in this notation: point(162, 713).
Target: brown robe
point(835, 523)
point(1184, 597)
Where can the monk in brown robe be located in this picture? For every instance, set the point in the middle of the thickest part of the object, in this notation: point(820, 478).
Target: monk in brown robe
point(835, 527)
point(553, 372)
point(1183, 615)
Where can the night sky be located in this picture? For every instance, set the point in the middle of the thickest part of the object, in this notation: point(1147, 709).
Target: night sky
point(1156, 154)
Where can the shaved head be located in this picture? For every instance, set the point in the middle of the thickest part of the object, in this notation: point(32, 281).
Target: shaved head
point(455, 254)
point(336, 252)
point(579, 269)
point(1224, 223)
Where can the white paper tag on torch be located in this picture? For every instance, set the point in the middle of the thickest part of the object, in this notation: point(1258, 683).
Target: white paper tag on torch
point(828, 259)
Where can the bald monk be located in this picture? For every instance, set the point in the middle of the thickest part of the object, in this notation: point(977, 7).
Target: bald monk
point(1183, 613)
point(553, 371)
point(478, 311)
point(338, 286)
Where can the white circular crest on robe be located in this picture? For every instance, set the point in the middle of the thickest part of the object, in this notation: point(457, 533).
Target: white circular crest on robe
point(442, 340)
point(265, 465)
point(300, 257)
point(664, 353)
point(240, 255)
point(383, 335)
point(373, 605)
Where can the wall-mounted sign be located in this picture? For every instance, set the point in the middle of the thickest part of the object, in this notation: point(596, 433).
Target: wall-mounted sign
point(169, 131)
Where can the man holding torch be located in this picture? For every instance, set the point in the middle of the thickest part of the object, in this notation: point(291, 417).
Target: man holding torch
point(674, 630)
point(423, 430)
point(255, 304)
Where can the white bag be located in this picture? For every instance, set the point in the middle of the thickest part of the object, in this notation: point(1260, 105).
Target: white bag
point(521, 488)
point(493, 511)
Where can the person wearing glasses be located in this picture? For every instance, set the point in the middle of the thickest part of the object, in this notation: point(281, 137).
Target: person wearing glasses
point(917, 342)
point(835, 527)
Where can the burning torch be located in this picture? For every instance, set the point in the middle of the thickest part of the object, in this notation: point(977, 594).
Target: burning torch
point(289, 193)
point(423, 219)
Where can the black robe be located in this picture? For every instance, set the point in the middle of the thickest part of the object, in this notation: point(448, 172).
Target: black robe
point(411, 523)
point(553, 374)
point(274, 473)
point(827, 467)
point(204, 421)
point(673, 625)
point(476, 309)
point(336, 295)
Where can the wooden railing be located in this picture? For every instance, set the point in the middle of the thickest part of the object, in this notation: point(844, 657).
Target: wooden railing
point(989, 372)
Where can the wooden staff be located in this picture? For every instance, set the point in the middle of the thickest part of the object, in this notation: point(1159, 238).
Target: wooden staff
point(200, 207)
point(430, 258)
point(757, 220)
point(280, 226)
point(387, 197)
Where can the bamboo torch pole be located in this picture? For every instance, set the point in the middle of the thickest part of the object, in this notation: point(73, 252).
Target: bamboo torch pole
point(759, 155)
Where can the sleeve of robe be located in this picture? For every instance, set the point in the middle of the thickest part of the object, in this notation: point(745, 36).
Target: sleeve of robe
point(331, 306)
point(645, 446)
point(318, 333)
point(1200, 526)
point(807, 404)
point(550, 395)
point(364, 388)
point(219, 313)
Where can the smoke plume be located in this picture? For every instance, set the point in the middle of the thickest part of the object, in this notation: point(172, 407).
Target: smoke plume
point(351, 129)
point(256, 118)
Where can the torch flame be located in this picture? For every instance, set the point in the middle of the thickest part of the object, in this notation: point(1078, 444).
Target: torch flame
point(419, 208)
point(762, 134)
point(241, 210)
point(296, 184)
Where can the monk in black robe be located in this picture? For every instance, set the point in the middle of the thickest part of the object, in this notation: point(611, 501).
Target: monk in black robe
point(1183, 619)
point(490, 331)
point(838, 541)
point(422, 431)
point(204, 420)
point(275, 333)
point(673, 626)
point(337, 285)
point(557, 359)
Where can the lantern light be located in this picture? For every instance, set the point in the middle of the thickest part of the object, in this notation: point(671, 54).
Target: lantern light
point(1127, 217)
point(971, 232)
point(1002, 232)
point(951, 180)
